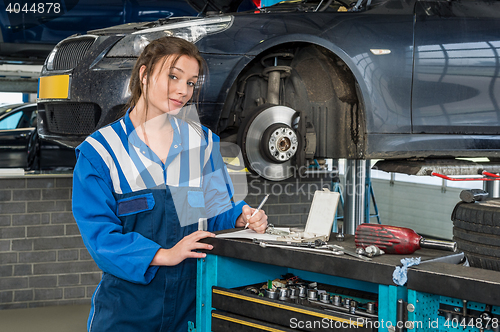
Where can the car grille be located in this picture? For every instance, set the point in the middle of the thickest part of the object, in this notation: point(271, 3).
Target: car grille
point(70, 52)
point(72, 118)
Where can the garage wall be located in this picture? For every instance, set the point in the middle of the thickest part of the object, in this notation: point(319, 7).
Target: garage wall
point(43, 260)
point(422, 207)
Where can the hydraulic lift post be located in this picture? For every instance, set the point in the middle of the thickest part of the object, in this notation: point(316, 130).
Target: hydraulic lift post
point(354, 199)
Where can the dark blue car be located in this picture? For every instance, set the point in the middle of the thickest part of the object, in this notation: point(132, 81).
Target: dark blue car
point(30, 29)
point(297, 81)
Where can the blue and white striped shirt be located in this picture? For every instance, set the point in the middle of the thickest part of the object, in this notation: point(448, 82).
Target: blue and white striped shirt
point(113, 162)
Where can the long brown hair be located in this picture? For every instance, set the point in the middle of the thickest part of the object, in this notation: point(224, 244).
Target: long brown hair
point(154, 52)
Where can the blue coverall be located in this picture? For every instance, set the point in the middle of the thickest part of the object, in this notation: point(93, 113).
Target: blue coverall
point(128, 204)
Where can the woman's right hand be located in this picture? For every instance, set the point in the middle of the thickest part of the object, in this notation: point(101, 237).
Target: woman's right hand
point(183, 249)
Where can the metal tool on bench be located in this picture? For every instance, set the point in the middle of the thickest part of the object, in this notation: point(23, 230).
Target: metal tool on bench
point(311, 244)
point(397, 240)
point(347, 252)
point(320, 250)
point(306, 246)
point(473, 195)
point(369, 251)
point(317, 246)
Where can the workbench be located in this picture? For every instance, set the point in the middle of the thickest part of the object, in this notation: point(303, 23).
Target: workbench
point(432, 300)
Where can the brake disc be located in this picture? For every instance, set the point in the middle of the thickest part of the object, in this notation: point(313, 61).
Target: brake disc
point(271, 143)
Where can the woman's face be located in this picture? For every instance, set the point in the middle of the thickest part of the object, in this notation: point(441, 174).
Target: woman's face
point(171, 86)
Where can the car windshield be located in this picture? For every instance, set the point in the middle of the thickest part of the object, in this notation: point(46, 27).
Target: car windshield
point(316, 6)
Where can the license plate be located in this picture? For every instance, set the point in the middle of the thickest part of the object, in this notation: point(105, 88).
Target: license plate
point(53, 87)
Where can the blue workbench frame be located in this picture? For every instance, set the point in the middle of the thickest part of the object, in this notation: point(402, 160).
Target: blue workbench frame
point(230, 272)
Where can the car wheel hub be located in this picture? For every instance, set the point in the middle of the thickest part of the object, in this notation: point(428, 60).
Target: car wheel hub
point(282, 143)
point(270, 143)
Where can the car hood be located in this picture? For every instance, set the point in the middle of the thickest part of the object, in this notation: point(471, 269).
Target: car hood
point(134, 27)
point(203, 7)
point(217, 7)
point(221, 6)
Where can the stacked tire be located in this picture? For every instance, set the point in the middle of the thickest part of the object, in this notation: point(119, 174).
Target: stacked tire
point(476, 229)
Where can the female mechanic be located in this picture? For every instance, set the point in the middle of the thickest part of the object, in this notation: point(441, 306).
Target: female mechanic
point(140, 186)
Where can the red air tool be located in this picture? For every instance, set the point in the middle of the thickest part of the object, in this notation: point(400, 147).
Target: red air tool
point(396, 240)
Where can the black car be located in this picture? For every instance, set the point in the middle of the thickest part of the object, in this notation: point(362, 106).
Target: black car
point(304, 80)
point(20, 146)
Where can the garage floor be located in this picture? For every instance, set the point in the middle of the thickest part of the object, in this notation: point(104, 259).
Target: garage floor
point(46, 319)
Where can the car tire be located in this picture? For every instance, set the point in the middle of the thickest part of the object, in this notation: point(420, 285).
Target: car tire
point(476, 229)
point(33, 159)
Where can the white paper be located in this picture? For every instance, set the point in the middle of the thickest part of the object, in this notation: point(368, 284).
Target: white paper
point(251, 234)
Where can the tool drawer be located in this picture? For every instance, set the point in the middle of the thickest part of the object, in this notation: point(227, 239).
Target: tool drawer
point(296, 307)
point(224, 321)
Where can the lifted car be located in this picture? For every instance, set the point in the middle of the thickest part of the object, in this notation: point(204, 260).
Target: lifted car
point(297, 81)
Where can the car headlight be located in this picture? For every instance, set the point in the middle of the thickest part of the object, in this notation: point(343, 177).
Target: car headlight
point(191, 30)
point(49, 61)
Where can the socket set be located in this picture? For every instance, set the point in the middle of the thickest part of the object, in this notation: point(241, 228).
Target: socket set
point(289, 300)
point(294, 290)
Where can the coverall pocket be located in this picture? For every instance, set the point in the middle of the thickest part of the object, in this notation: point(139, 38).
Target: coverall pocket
point(136, 214)
point(189, 204)
point(196, 199)
point(135, 204)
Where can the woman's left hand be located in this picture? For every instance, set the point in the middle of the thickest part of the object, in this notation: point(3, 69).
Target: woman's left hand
point(258, 222)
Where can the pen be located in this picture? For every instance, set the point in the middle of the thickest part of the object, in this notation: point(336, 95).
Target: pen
point(258, 209)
